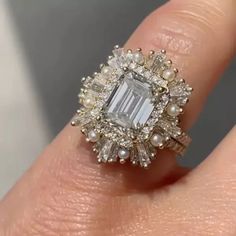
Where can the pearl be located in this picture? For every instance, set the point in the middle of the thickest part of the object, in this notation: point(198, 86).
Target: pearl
point(89, 102)
point(123, 153)
point(93, 136)
point(106, 70)
point(138, 57)
point(156, 140)
point(168, 74)
point(173, 110)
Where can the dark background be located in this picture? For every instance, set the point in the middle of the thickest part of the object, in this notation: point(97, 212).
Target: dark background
point(67, 39)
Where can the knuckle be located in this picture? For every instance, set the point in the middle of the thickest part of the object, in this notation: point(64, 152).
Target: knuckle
point(185, 26)
point(171, 34)
point(175, 42)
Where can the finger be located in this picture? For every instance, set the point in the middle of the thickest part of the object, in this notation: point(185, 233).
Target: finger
point(200, 38)
point(65, 182)
point(202, 203)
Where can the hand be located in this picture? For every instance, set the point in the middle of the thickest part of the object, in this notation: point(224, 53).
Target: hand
point(66, 193)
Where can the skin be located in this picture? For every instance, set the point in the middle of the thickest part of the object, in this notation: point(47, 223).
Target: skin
point(66, 193)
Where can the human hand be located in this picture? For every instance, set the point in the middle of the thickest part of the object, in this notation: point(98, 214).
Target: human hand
point(66, 193)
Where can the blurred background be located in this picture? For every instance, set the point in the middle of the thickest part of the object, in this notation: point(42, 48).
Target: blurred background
point(46, 46)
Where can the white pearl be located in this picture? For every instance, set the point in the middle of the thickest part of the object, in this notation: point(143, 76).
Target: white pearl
point(93, 136)
point(138, 57)
point(173, 110)
point(156, 140)
point(168, 74)
point(123, 153)
point(106, 70)
point(88, 102)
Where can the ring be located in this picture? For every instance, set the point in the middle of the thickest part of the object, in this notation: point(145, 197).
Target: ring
point(131, 108)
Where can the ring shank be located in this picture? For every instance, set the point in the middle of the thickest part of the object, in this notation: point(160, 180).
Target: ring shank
point(179, 144)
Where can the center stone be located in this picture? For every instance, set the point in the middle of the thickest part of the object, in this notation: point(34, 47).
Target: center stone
point(130, 103)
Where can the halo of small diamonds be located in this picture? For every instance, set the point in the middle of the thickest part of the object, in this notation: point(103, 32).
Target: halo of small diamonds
point(131, 107)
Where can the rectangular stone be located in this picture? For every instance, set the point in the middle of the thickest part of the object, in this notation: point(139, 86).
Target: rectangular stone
point(130, 104)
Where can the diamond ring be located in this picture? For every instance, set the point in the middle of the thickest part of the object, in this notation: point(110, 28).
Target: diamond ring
point(131, 108)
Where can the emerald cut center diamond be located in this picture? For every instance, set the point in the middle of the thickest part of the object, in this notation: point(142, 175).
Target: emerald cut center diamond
point(130, 104)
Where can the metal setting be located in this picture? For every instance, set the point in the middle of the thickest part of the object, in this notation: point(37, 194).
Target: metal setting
point(131, 108)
